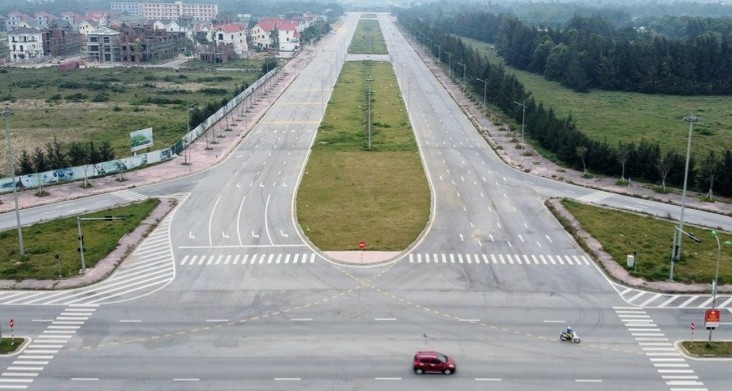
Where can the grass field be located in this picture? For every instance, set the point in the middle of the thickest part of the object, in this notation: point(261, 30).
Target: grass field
point(350, 193)
point(44, 240)
point(622, 116)
point(702, 348)
point(9, 345)
point(367, 39)
point(107, 104)
point(622, 233)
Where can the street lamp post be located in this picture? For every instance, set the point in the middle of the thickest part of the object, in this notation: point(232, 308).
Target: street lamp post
point(464, 68)
point(188, 126)
point(485, 89)
point(678, 238)
point(716, 269)
point(523, 120)
point(716, 274)
point(11, 164)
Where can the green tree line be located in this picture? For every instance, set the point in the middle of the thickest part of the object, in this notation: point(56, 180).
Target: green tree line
point(560, 136)
point(590, 52)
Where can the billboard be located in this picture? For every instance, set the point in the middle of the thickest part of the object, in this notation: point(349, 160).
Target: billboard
point(141, 139)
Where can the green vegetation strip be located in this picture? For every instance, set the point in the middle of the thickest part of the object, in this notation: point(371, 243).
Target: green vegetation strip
point(707, 349)
point(629, 117)
point(350, 193)
point(43, 241)
point(107, 104)
point(622, 233)
point(367, 39)
point(10, 345)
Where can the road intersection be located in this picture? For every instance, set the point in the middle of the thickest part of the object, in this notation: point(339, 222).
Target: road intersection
point(227, 292)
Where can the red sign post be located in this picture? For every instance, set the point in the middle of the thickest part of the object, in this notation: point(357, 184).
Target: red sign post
point(12, 336)
point(362, 246)
point(693, 327)
point(711, 321)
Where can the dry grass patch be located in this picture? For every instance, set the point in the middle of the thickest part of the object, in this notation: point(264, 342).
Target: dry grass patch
point(349, 193)
point(380, 198)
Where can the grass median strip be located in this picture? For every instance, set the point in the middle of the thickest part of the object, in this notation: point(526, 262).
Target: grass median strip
point(351, 193)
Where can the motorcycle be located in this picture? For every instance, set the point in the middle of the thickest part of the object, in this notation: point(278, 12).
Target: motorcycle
point(565, 337)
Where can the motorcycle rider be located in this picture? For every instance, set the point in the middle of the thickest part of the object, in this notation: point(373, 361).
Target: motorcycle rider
point(570, 333)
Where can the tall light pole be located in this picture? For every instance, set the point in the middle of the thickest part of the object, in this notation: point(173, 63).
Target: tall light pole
point(7, 113)
point(716, 275)
point(485, 88)
point(716, 270)
point(523, 120)
point(464, 68)
point(188, 126)
point(678, 238)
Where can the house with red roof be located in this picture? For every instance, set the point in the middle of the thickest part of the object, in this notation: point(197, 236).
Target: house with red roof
point(234, 34)
point(277, 34)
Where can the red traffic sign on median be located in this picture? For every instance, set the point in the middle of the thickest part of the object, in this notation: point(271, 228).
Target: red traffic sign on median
point(693, 326)
point(12, 323)
point(711, 319)
point(362, 245)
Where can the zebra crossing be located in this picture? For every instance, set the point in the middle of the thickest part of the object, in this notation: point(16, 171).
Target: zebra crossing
point(247, 259)
point(35, 357)
point(130, 195)
point(149, 268)
point(645, 299)
point(669, 363)
point(501, 259)
point(595, 196)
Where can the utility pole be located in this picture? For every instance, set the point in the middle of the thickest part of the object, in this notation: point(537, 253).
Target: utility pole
point(485, 89)
point(523, 120)
point(678, 238)
point(11, 163)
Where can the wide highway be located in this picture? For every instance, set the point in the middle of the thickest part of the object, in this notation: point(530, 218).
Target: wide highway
point(236, 297)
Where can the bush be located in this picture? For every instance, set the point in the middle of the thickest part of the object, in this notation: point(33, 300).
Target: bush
point(53, 98)
point(96, 86)
point(213, 91)
point(100, 97)
point(77, 97)
point(70, 84)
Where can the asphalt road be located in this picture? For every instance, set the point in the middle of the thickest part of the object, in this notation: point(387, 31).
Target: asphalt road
point(492, 280)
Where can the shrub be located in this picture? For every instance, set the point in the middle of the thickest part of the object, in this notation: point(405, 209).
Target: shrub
point(77, 97)
point(100, 97)
point(212, 91)
point(70, 84)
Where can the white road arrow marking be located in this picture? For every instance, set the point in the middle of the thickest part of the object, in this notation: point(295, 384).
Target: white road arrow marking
point(190, 235)
point(224, 235)
point(254, 235)
point(283, 234)
point(461, 238)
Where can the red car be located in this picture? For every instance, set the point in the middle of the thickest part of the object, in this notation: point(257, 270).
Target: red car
point(433, 362)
